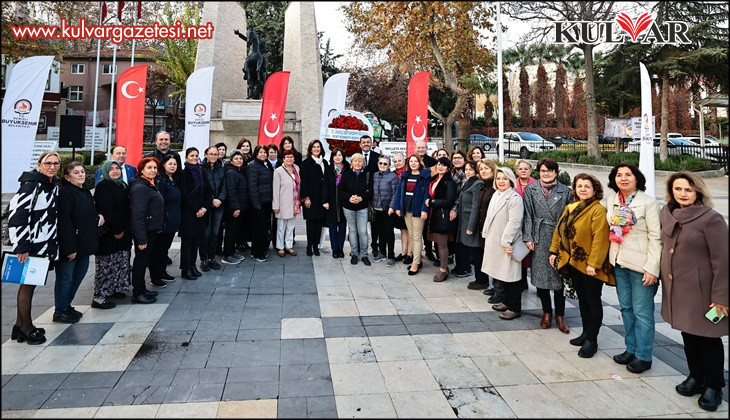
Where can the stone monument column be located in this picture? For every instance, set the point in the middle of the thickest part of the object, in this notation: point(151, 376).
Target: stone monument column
point(225, 50)
point(301, 58)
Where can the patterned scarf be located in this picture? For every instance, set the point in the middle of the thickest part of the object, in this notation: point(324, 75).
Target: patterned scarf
point(623, 219)
point(565, 224)
point(197, 174)
point(338, 173)
point(297, 200)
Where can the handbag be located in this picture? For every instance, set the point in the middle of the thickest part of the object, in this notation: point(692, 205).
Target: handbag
point(519, 251)
point(568, 289)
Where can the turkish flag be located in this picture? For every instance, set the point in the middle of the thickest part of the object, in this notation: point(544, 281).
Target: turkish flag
point(417, 123)
point(103, 12)
point(119, 10)
point(273, 106)
point(139, 10)
point(131, 91)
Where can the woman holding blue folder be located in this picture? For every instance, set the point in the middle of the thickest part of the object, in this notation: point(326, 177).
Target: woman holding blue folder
point(33, 231)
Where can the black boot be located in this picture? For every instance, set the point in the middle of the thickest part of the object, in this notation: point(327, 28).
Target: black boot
point(309, 250)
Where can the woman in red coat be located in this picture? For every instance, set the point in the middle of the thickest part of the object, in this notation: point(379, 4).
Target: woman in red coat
point(694, 270)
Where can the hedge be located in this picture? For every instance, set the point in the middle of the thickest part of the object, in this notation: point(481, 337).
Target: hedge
point(673, 163)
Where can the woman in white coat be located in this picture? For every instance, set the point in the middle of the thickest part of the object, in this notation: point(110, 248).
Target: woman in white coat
point(502, 229)
point(286, 203)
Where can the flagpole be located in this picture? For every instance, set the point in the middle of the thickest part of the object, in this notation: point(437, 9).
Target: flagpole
point(96, 91)
point(111, 101)
point(500, 93)
point(135, 24)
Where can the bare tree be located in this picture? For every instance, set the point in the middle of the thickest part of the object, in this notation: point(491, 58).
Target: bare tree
point(548, 12)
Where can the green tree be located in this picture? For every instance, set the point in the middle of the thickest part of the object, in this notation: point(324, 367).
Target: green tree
point(176, 57)
point(19, 14)
point(421, 36)
point(267, 19)
point(328, 57)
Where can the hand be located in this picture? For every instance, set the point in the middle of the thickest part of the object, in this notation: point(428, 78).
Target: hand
point(307, 202)
point(200, 213)
point(468, 232)
point(120, 236)
point(649, 279)
point(101, 220)
point(236, 213)
point(397, 212)
point(390, 211)
point(71, 256)
point(424, 215)
point(508, 250)
point(552, 260)
point(721, 308)
point(452, 215)
point(591, 271)
point(141, 246)
point(530, 245)
point(22, 258)
point(427, 202)
point(326, 206)
point(276, 211)
point(217, 203)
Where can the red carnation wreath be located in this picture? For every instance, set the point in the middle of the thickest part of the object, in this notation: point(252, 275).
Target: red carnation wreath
point(346, 122)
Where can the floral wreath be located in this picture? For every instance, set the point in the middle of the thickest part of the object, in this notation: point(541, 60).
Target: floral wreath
point(346, 122)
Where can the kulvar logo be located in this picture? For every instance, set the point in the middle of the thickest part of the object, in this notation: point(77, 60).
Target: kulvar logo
point(644, 30)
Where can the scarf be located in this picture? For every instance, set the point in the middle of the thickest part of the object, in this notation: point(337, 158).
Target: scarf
point(565, 224)
point(150, 180)
point(399, 171)
point(197, 174)
point(297, 200)
point(548, 188)
point(521, 188)
point(459, 177)
point(623, 219)
point(319, 161)
point(106, 167)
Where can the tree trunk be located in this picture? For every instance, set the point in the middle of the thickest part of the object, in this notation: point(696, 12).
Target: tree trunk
point(665, 117)
point(463, 132)
point(593, 147)
point(154, 119)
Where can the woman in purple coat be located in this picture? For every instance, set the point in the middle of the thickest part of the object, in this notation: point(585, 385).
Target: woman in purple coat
point(694, 270)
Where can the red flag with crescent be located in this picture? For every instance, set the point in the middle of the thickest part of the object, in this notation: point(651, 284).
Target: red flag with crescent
point(273, 106)
point(131, 93)
point(417, 123)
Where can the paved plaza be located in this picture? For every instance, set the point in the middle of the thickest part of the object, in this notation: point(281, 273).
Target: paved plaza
point(318, 337)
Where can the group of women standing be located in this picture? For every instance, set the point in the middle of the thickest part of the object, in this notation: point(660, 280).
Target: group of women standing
point(487, 216)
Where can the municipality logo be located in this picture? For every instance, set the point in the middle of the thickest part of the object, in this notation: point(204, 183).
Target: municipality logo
point(23, 106)
point(643, 30)
point(199, 110)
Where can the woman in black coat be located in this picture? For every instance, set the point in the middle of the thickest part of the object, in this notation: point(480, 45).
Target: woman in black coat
point(260, 192)
point(196, 201)
point(170, 191)
point(111, 278)
point(235, 207)
point(335, 217)
point(313, 192)
point(148, 215)
point(442, 190)
point(78, 238)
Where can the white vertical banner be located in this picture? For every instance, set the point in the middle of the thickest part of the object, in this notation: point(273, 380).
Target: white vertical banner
point(646, 155)
point(198, 92)
point(20, 112)
point(333, 100)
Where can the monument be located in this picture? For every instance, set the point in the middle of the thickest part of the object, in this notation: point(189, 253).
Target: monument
point(254, 68)
point(234, 117)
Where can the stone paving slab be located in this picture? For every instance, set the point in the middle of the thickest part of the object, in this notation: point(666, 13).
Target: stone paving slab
point(316, 337)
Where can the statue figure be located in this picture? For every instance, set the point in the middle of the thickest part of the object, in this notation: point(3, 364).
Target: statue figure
point(254, 69)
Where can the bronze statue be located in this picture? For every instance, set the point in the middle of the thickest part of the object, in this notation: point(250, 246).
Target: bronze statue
point(254, 69)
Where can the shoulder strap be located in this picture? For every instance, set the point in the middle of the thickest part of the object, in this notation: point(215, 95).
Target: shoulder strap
point(30, 213)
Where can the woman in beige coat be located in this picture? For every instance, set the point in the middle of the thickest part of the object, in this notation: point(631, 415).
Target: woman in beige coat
point(694, 267)
point(286, 203)
point(633, 219)
point(502, 229)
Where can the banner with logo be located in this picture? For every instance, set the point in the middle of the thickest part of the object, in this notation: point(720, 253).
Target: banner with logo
point(417, 123)
point(198, 92)
point(273, 106)
point(20, 113)
point(646, 155)
point(131, 93)
point(333, 100)
point(344, 129)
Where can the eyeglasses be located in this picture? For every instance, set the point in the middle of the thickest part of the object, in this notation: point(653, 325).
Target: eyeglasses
point(49, 164)
point(523, 169)
point(383, 163)
point(543, 171)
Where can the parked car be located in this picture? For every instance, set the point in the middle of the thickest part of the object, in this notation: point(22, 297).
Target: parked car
point(657, 136)
point(524, 144)
point(612, 140)
point(560, 140)
point(709, 140)
point(486, 143)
